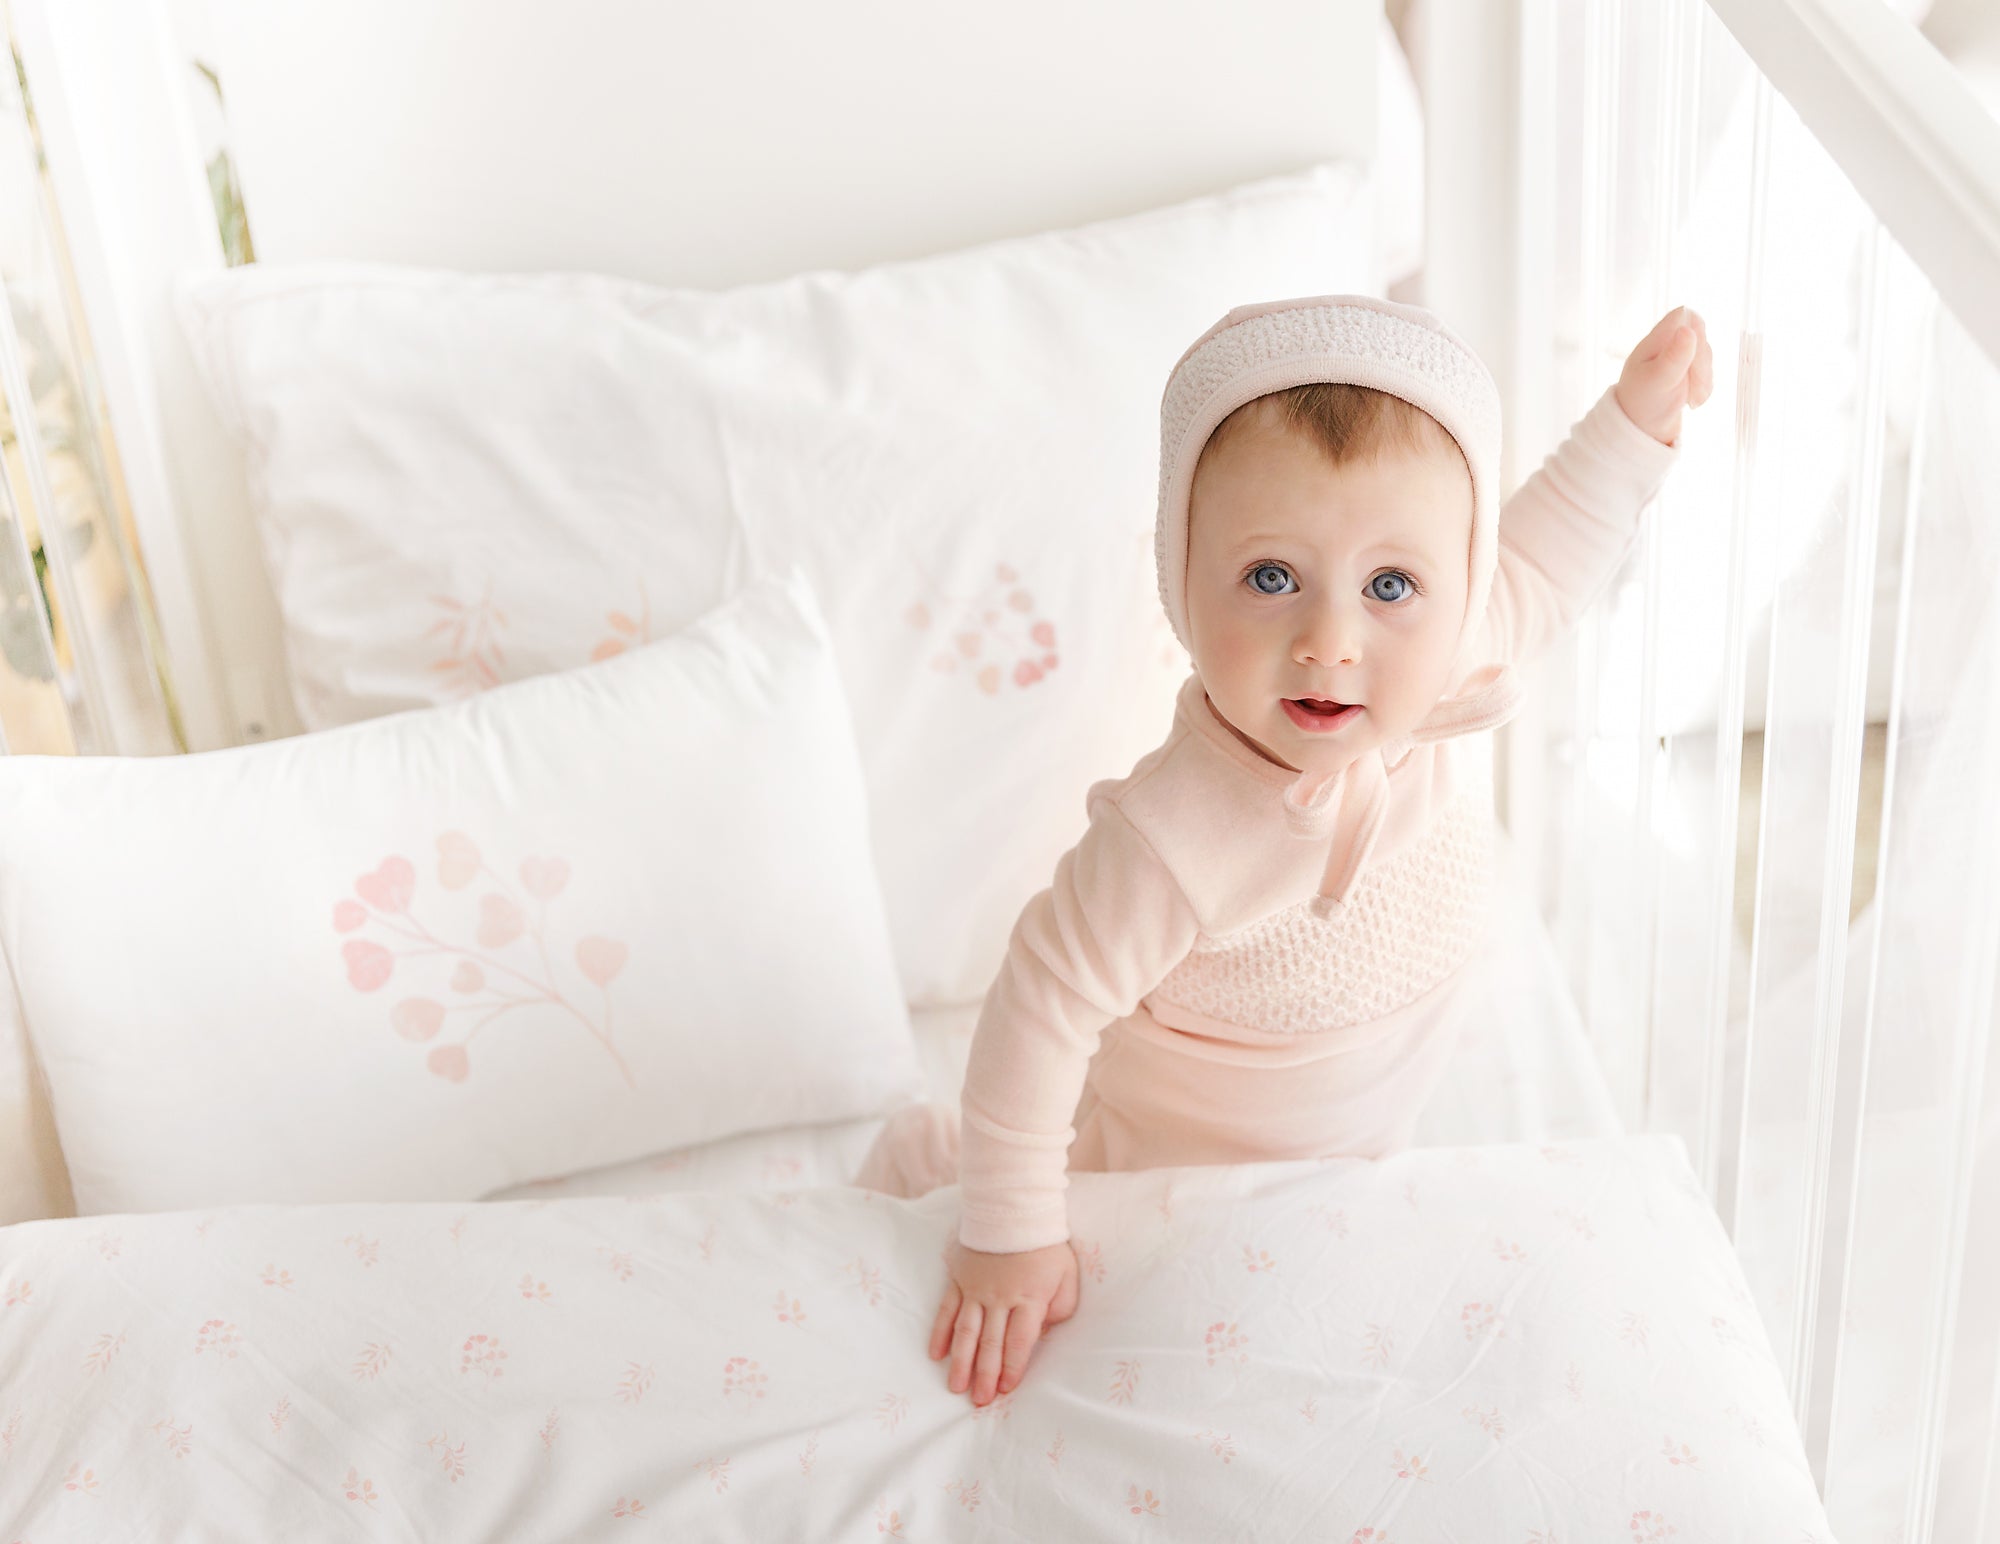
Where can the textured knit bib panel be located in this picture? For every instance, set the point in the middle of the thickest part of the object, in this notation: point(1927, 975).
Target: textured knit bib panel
point(1411, 921)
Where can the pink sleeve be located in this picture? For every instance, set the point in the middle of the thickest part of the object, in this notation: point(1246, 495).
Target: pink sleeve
point(1083, 953)
point(1567, 529)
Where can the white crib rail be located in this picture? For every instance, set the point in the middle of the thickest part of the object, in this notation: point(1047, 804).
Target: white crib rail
point(1824, 188)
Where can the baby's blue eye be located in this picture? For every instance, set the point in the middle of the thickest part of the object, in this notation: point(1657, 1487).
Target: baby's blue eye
point(1394, 578)
point(1257, 578)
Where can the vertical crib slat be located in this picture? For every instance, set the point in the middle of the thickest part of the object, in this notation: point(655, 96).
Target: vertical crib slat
point(1864, 1141)
point(1651, 753)
point(1973, 1032)
point(1581, 879)
point(1526, 788)
point(1689, 835)
point(1862, 522)
point(1958, 806)
point(1617, 754)
point(1987, 1502)
point(1889, 901)
point(1720, 1134)
point(1816, 681)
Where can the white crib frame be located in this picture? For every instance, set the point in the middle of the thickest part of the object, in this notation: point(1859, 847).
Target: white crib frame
point(1924, 154)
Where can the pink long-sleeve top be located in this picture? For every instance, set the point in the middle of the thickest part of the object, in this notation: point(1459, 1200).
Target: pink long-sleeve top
point(1174, 998)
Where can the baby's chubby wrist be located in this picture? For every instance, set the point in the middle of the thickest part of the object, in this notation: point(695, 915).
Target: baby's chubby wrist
point(1613, 427)
point(1626, 413)
point(1013, 1231)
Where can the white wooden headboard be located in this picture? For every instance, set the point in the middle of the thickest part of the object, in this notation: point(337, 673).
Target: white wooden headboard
point(701, 145)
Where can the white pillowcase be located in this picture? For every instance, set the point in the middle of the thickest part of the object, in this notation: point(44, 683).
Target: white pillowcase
point(598, 914)
point(461, 479)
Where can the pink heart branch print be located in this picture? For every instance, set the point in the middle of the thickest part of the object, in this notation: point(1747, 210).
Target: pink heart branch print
point(487, 985)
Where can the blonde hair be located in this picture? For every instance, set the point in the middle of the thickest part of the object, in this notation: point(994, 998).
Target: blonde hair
point(1347, 423)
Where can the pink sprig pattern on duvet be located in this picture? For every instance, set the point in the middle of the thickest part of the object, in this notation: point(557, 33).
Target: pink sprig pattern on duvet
point(758, 1371)
point(626, 630)
point(467, 637)
point(993, 635)
point(486, 982)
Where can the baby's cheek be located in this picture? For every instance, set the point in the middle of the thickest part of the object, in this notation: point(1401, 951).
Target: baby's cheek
point(1227, 653)
point(1406, 683)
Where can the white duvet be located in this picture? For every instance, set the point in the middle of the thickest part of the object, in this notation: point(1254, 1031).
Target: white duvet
point(1519, 1344)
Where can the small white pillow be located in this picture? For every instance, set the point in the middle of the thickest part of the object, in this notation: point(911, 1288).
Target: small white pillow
point(467, 478)
point(580, 918)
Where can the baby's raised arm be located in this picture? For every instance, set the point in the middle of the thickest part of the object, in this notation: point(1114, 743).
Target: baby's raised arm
point(1566, 530)
point(1084, 952)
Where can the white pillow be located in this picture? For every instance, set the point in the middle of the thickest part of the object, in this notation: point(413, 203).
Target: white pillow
point(32, 1183)
point(461, 479)
point(578, 919)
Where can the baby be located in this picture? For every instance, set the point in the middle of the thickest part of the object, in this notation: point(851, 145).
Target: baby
point(1255, 950)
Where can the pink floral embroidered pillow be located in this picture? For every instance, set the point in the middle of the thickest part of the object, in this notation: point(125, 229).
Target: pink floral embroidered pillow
point(462, 479)
point(574, 920)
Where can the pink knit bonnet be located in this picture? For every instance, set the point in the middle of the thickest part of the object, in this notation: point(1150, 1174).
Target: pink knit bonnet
point(1406, 351)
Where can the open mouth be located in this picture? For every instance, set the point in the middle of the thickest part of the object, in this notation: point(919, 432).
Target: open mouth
point(1319, 713)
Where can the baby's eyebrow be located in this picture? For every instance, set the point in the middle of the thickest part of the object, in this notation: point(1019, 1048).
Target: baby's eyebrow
point(1259, 540)
point(1392, 549)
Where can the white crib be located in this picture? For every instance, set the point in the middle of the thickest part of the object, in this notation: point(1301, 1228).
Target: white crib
point(1757, 804)
point(1747, 800)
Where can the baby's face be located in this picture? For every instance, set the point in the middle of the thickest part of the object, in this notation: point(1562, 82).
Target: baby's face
point(1307, 580)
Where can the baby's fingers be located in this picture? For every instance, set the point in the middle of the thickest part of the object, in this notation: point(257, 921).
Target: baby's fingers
point(1701, 376)
point(941, 1325)
point(1024, 1328)
point(1661, 339)
point(992, 1335)
point(964, 1345)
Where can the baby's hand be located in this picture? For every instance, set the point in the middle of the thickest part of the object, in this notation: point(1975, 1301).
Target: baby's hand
point(1671, 368)
point(1002, 1303)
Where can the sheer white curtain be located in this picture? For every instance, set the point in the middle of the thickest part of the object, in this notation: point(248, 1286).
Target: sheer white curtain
point(1910, 1386)
point(1762, 790)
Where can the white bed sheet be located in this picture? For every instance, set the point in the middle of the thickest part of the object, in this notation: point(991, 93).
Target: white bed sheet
point(1524, 1072)
point(1498, 1343)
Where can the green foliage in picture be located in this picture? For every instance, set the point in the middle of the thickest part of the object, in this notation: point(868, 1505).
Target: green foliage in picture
point(227, 194)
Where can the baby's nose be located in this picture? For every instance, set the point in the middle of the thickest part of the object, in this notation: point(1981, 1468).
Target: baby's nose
point(1332, 637)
